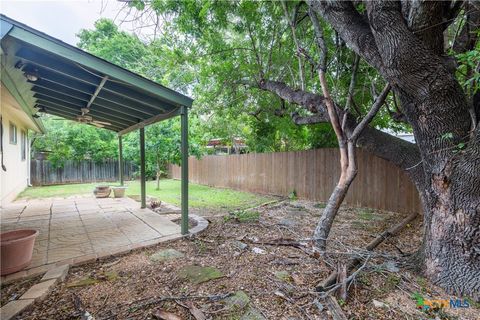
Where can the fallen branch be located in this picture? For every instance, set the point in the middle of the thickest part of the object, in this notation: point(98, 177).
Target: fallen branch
point(265, 204)
point(334, 308)
point(280, 242)
point(328, 282)
point(289, 243)
point(155, 300)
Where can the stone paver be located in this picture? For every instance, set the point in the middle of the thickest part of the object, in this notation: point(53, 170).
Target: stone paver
point(40, 290)
point(58, 273)
point(80, 229)
point(13, 308)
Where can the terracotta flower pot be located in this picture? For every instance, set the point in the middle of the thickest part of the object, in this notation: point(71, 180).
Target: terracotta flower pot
point(102, 191)
point(16, 250)
point(119, 192)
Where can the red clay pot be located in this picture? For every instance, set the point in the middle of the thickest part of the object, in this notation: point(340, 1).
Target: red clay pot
point(16, 250)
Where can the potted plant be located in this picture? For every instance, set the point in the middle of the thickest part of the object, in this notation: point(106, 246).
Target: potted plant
point(102, 191)
point(119, 192)
point(16, 250)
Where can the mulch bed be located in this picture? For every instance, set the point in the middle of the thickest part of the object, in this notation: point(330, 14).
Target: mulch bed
point(279, 280)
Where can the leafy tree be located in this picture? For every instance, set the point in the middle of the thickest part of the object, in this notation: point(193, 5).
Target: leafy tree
point(67, 140)
point(246, 53)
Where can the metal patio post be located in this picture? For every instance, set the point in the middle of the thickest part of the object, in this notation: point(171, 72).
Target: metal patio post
point(120, 160)
point(184, 151)
point(143, 195)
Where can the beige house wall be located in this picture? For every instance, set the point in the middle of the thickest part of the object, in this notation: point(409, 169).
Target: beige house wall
point(16, 177)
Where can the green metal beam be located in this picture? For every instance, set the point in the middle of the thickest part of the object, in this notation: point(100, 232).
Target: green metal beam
point(100, 112)
point(184, 186)
point(58, 78)
point(120, 160)
point(97, 91)
point(151, 120)
point(61, 92)
point(143, 191)
point(120, 113)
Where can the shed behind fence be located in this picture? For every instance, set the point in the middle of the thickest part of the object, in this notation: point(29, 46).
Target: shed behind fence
point(312, 174)
point(44, 173)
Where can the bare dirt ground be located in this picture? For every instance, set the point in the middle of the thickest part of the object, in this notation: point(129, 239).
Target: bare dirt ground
point(274, 281)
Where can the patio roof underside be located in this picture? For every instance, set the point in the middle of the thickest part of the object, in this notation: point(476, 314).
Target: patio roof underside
point(69, 79)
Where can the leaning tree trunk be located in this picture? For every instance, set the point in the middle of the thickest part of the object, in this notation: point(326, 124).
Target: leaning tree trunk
point(348, 174)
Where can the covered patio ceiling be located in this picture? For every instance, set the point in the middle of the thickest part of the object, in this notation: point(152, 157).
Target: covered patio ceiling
point(62, 80)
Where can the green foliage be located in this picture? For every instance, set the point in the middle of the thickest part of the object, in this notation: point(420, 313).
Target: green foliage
point(468, 72)
point(243, 216)
point(68, 140)
point(226, 48)
point(293, 195)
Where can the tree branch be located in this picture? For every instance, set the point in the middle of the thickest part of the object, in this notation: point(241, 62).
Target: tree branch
point(313, 119)
point(312, 102)
point(400, 152)
point(297, 44)
point(468, 36)
point(351, 27)
point(373, 111)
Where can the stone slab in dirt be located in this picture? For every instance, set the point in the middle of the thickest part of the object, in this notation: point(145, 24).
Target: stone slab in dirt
point(237, 301)
point(199, 274)
point(166, 254)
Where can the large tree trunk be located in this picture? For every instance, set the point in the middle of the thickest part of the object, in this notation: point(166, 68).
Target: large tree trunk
point(452, 224)
point(436, 107)
point(438, 111)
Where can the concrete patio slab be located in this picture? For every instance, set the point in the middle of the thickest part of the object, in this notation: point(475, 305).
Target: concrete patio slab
point(80, 229)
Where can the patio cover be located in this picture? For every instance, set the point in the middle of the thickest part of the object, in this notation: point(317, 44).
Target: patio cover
point(45, 74)
point(67, 79)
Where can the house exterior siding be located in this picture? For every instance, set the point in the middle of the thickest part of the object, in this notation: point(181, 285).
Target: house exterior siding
point(15, 178)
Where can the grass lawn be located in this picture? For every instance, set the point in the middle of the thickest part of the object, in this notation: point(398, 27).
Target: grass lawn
point(201, 197)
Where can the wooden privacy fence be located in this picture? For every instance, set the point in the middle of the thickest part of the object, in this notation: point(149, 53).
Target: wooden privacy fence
point(43, 173)
point(312, 174)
